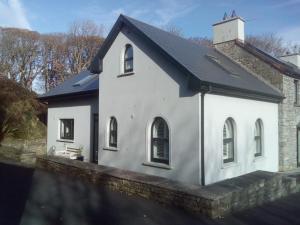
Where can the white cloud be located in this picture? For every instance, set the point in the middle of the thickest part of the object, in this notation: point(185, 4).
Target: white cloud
point(286, 3)
point(291, 34)
point(12, 14)
point(172, 9)
point(156, 12)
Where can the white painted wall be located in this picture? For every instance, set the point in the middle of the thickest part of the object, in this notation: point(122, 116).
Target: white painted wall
point(157, 88)
point(229, 30)
point(81, 110)
point(294, 59)
point(245, 113)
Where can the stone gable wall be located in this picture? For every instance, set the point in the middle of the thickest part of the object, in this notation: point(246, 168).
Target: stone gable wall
point(289, 114)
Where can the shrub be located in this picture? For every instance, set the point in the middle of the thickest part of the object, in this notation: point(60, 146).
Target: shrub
point(18, 110)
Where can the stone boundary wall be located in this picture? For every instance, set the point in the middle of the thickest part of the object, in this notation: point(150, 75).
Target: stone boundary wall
point(214, 200)
point(37, 146)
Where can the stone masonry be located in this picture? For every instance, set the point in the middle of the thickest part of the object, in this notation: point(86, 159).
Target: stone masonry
point(289, 113)
point(213, 200)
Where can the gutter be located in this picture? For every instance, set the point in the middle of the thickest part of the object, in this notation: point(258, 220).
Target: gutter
point(203, 89)
point(68, 95)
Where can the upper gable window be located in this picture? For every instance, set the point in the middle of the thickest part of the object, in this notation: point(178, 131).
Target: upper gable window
point(128, 59)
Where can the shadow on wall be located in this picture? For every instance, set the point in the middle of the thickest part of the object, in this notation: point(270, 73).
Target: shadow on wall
point(185, 162)
point(174, 71)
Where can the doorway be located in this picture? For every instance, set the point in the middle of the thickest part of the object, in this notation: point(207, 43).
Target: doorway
point(95, 138)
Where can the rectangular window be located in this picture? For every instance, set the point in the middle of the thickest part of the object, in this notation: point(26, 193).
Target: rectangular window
point(67, 129)
point(296, 82)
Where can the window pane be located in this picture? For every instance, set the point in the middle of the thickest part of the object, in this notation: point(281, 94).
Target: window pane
point(258, 138)
point(128, 65)
point(224, 132)
point(228, 141)
point(113, 132)
point(67, 129)
point(160, 141)
point(296, 82)
point(128, 52)
point(230, 150)
point(225, 151)
point(258, 145)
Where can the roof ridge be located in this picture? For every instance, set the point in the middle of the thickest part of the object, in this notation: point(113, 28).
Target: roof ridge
point(167, 32)
point(188, 57)
point(290, 69)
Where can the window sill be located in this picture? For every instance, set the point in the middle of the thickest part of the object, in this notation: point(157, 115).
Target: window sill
point(229, 165)
point(111, 149)
point(157, 165)
point(65, 140)
point(258, 158)
point(126, 74)
point(296, 105)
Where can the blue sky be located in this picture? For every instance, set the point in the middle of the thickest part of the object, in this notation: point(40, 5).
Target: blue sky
point(194, 17)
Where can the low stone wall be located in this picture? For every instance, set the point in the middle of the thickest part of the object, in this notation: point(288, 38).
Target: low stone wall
point(24, 151)
point(37, 146)
point(214, 200)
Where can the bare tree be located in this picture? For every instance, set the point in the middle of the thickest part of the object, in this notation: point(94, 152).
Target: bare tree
point(173, 29)
point(20, 55)
point(54, 58)
point(83, 41)
point(204, 41)
point(270, 43)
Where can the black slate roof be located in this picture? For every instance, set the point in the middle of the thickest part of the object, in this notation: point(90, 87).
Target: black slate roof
point(204, 63)
point(68, 87)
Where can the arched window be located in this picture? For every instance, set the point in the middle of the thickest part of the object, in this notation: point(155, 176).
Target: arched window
point(258, 137)
point(228, 141)
point(160, 141)
point(128, 59)
point(113, 132)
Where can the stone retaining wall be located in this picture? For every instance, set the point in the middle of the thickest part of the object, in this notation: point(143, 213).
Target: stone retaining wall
point(38, 146)
point(214, 200)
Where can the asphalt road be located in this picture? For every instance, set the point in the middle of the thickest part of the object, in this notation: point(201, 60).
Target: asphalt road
point(35, 197)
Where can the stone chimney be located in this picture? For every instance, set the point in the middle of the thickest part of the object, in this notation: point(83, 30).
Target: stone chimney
point(292, 58)
point(229, 29)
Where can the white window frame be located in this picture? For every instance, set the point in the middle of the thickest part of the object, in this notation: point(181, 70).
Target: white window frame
point(259, 126)
point(60, 121)
point(230, 138)
point(122, 60)
point(107, 135)
point(148, 140)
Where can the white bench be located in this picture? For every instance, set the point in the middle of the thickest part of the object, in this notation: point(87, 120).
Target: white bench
point(69, 152)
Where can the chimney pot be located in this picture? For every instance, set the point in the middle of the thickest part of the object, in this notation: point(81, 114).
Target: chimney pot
point(233, 14)
point(229, 29)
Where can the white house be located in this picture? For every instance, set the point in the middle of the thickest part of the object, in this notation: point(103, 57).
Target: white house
point(171, 108)
point(73, 116)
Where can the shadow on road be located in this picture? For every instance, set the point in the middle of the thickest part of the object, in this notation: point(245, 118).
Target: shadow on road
point(15, 183)
point(36, 197)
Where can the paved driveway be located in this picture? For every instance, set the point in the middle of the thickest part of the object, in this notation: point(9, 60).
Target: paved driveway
point(35, 197)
